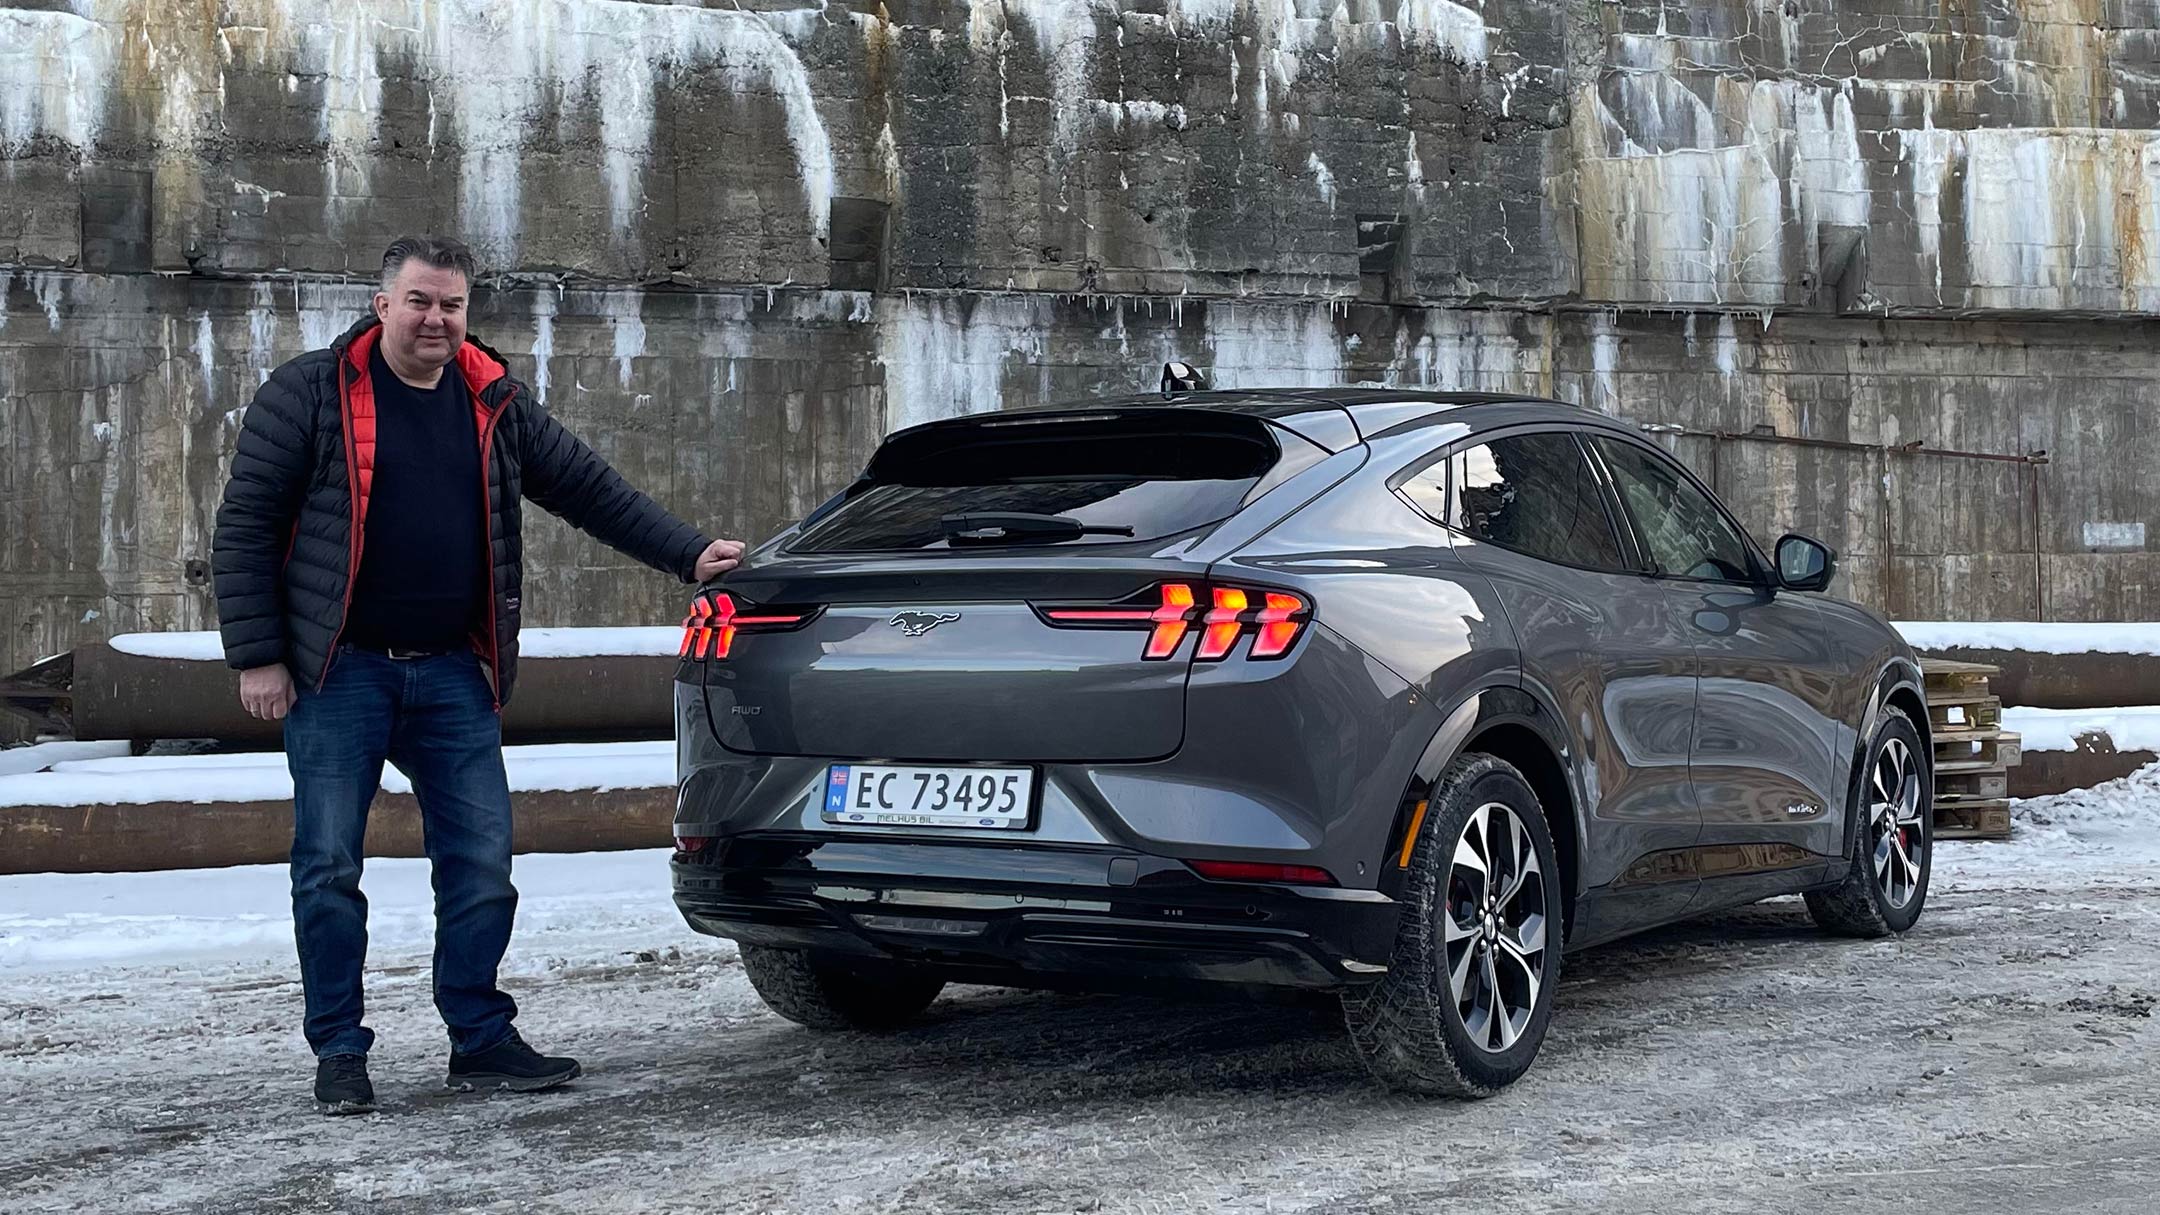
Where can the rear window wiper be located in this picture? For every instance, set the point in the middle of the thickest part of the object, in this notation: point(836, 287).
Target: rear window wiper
point(1007, 527)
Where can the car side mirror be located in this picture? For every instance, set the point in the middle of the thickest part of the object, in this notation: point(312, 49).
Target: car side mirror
point(1804, 563)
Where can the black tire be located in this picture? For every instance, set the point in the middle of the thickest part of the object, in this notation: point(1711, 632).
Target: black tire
point(1860, 905)
point(826, 994)
point(1409, 1027)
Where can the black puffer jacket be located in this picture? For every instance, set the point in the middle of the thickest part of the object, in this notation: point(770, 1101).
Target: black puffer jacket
point(291, 527)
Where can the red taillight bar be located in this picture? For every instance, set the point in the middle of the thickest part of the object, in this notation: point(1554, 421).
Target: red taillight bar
point(1276, 620)
point(715, 618)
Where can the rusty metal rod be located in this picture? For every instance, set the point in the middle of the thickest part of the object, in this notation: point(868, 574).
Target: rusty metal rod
point(1915, 448)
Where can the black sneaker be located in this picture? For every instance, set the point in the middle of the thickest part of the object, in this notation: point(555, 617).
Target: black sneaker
point(341, 1085)
point(512, 1065)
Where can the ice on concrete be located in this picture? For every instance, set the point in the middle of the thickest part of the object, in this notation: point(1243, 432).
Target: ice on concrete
point(262, 777)
point(56, 63)
point(2134, 729)
point(2034, 637)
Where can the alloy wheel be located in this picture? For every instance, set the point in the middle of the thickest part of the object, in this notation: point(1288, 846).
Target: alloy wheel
point(1493, 944)
point(1894, 828)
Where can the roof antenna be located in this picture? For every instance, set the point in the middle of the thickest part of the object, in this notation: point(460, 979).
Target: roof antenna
point(1182, 377)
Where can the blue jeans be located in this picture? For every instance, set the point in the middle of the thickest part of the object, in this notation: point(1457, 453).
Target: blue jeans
point(435, 719)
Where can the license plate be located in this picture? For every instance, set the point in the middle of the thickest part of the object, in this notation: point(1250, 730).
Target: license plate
point(995, 799)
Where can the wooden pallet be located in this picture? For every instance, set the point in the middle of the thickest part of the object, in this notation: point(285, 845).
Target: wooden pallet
point(1973, 753)
point(1964, 716)
point(1977, 820)
point(1945, 678)
point(1981, 751)
point(1971, 786)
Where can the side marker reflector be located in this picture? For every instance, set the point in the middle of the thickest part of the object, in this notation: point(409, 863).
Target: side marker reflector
point(1409, 839)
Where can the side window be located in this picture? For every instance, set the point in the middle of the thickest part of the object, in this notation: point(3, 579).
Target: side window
point(1535, 494)
point(1687, 535)
point(1427, 490)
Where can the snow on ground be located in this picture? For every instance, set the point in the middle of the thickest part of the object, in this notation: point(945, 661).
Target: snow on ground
point(42, 755)
point(1999, 1058)
point(2136, 729)
point(58, 921)
point(261, 776)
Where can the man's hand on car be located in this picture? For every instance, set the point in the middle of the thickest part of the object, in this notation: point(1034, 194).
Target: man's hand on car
point(721, 557)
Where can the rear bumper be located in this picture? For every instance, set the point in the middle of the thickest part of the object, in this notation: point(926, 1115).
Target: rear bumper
point(1031, 914)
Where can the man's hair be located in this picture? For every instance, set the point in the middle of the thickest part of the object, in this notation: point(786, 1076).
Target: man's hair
point(440, 252)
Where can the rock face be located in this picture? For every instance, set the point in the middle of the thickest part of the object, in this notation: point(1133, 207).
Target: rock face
point(734, 245)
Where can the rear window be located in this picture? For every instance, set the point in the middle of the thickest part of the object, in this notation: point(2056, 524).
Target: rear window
point(1156, 473)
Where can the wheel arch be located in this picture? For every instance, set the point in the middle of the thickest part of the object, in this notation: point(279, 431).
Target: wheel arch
point(1511, 724)
point(1898, 685)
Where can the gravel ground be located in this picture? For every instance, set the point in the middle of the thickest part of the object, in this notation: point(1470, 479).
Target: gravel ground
point(1999, 1058)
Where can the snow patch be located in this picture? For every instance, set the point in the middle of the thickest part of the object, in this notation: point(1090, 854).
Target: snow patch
point(2131, 729)
point(2117, 823)
point(199, 647)
point(594, 643)
point(532, 643)
point(39, 756)
point(262, 776)
point(2033, 637)
point(53, 921)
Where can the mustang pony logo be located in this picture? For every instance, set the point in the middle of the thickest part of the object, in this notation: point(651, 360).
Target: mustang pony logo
point(915, 624)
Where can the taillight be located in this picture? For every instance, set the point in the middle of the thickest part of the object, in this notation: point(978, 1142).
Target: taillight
point(1279, 623)
point(1171, 620)
point(1168, 612)
point(692, 843)
point(717, 616)
point(1222, 624)
point(1260, 871)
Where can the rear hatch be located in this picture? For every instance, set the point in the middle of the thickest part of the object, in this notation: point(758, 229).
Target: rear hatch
point(990, 589)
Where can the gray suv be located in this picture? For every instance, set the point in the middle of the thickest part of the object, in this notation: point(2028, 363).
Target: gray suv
point(1390, 694)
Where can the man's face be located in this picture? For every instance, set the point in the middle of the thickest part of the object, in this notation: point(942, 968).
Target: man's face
point(423, 315)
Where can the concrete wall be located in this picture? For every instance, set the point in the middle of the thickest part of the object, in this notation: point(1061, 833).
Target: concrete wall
point(734, 245)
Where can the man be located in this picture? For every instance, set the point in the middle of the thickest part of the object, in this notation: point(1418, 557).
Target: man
point(368, 564)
